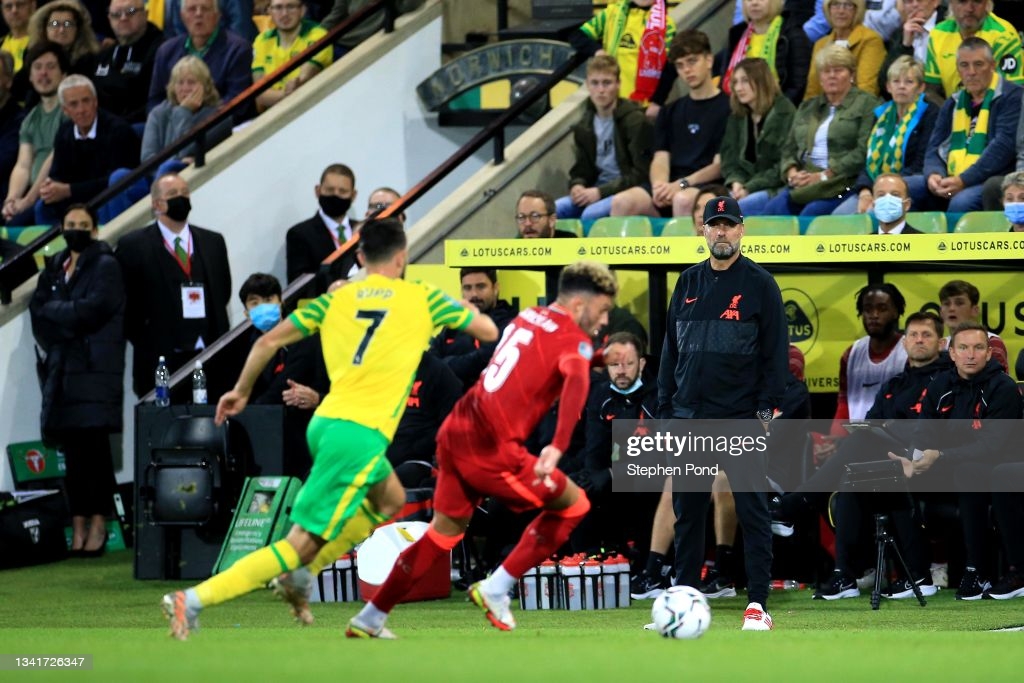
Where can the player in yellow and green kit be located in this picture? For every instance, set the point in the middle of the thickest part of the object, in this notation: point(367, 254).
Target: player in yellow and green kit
point(373, 333)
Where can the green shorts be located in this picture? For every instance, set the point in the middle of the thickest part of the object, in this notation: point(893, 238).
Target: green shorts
point(348, 459)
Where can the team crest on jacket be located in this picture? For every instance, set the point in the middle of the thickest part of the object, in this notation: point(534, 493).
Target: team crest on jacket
point(586, 350)
point(732, 312)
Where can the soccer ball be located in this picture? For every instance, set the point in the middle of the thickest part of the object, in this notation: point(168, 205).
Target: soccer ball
point(681, 612)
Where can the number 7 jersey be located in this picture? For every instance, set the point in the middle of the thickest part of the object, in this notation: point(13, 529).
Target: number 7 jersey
point(538, 350)
point(373, 333)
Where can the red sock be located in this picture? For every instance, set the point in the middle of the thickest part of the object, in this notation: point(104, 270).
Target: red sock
point(544, 536)
point(412, 564)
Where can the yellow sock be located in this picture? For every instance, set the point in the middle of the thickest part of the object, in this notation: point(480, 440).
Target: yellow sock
point(249, 573)
point(355, 530)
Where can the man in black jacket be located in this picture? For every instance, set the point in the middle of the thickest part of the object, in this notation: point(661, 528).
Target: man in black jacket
point(123, 70)
point(463, 354)
point(969, 420)
point(725, 357)
point(178, 284)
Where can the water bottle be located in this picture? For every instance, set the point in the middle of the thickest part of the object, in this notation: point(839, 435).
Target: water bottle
point(163, 384)
point(199, 385)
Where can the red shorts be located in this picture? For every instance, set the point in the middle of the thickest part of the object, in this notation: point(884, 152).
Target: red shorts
point(471, 468)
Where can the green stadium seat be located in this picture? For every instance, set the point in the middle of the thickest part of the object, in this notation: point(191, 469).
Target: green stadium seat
point(680, 226)
point(572, 225)
point(622, 226)
point(772, 225)
point(982, 221)
point(928, 221)
point(854, 224)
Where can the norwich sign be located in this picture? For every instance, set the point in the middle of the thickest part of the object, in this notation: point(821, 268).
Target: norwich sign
point(495, 62)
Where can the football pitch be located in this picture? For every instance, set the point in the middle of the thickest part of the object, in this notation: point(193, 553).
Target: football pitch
point(94, 607)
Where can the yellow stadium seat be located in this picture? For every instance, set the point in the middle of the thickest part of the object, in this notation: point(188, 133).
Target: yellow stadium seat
point(772, 225)
point(572, 225)
point(928, 221)
point(622, 226)
point(982, 221)
point(854, 224)
point(680, 226)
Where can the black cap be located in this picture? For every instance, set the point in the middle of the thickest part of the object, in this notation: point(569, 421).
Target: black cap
point(722, 207)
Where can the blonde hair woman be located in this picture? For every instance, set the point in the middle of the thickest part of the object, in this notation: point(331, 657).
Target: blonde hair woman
point(191, 98)
point(846, 17)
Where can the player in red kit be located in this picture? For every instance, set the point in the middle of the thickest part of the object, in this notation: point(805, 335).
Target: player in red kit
point(544, 354)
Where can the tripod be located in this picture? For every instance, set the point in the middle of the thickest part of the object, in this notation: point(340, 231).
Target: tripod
point(884, 541)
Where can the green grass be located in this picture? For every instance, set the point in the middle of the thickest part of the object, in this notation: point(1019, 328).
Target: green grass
point(95, 607)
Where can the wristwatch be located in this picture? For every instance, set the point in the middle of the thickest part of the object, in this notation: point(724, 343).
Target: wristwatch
point(824, 177)
point(766, 415)
point(684, 183)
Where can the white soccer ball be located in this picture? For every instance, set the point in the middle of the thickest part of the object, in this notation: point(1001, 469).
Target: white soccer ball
point(681, 612)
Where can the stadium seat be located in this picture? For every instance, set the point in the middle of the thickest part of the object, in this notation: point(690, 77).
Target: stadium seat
point(772, 225)
point(854, 224)
point(26, 235)
point(572, 225)
point(928, 221)
point(680, 226)
point(622, 226)
point(982, 221)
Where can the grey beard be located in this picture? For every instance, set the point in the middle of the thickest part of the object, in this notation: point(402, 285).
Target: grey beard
point(723, 251)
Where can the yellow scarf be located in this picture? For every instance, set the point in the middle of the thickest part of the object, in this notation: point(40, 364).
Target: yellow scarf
point(966, 146)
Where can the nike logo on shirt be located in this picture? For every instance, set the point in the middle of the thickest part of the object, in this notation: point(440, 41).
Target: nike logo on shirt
point(689, 300)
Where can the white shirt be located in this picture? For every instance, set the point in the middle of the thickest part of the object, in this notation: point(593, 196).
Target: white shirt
point(898, 230)
point(169, 237)
point(819, 153)
point(346, 230)
point(91, 135)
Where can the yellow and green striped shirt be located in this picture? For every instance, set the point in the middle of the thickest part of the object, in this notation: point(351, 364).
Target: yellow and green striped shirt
point(945, 38)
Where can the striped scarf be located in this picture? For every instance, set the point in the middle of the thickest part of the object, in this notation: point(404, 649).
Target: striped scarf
point(771, 41)
point(966, 146)
point(888, 142)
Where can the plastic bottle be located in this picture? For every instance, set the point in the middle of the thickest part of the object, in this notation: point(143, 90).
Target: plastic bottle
point(610, 570)
point(528, 589)
point(571, 569)
point(549, 596)
point(591, 584)
point(623, 580)
point(163, 383)
point(199, 385)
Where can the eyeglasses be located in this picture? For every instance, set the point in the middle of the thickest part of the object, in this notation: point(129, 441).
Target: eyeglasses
point(533, 217)
point(378, 206)
point(124, 14)
point(66, 24)
point(291, 7)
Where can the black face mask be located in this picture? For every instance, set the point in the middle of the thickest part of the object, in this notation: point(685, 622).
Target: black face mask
point(178, 208)
point(334, 206)
point(77, 240)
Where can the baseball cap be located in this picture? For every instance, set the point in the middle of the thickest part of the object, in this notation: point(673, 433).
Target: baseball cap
point(722, 207)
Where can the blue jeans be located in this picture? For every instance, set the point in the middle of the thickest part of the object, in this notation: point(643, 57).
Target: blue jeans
point(753, 204)
point(781, 205)
point(564, 208)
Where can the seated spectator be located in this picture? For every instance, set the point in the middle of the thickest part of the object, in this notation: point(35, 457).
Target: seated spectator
point(620, 31)
point(846, 18)
point(16, 16)
point(687, 136)
point(343, 9)
point(87, 149)
point(67, 23)
point(235, 16)
point(890, 201)
point(228, 55)
point(296, 377)
point(707, 193)
point(123, 70)
point(918, 18)
point(611, 146)
point(974, 135)
point(881, 17)
point(535, 216)
point(899, 138)
point(46, 64)
point(959, 302)
point(769, 33)
point(970, 19)
point(292, 34)
point(11, 116)
point(1013, 200)
point(462, 353)
point(826, 147)
point(752, 148)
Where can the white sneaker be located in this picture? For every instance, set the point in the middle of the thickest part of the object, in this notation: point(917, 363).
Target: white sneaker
point(650, 627)
point(498, 612)
point(756, 619)
point(357, 629)
point(867, 582)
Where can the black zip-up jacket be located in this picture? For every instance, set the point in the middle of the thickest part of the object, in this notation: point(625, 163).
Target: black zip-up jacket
point(980, 415)
point(466, 356)
point(726, 349)
point(899, 398)
point(603, 406)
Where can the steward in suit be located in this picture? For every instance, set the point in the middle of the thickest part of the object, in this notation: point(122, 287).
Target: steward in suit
point(178, 284)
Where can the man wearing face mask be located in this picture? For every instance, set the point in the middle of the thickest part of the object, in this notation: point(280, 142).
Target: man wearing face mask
point(296, 377)
point(308, 243)
point(178, 283)
point(891, 201)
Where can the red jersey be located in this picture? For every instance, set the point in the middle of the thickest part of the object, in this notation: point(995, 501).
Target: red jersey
point(543, 355)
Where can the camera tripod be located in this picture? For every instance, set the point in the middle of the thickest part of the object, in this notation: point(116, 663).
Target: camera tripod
point(884, 541)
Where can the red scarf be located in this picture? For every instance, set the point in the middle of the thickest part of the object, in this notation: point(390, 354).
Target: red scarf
point(651, 58)
point(738, 55)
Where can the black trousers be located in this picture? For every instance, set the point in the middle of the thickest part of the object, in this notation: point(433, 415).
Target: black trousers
point(1008, 506)
point(89, 479)
point(747, 477)
point(855, 520)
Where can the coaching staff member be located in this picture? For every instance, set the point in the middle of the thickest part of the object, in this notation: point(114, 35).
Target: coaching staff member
point(725, 357)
